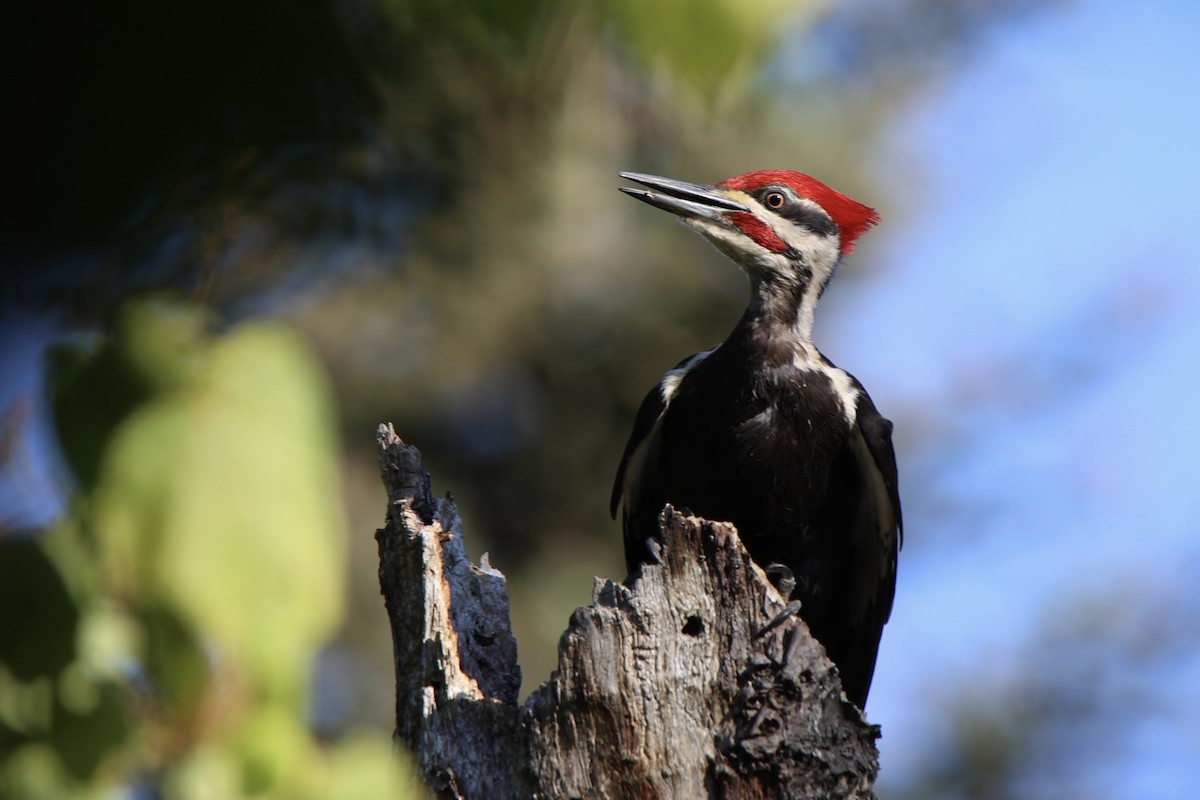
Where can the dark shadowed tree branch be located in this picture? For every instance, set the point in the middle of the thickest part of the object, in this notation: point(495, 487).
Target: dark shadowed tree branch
point(671, 684)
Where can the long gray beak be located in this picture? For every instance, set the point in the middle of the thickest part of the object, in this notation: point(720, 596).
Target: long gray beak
point(680, 197)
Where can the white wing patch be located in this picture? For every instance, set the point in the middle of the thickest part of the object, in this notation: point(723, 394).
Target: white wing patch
point(669, 384)
point(647, 448)
point(807, 358)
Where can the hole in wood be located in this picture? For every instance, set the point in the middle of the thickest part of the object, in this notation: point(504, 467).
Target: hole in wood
point(694, 626)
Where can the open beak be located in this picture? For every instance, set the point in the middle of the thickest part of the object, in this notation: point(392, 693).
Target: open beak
point(680, 197)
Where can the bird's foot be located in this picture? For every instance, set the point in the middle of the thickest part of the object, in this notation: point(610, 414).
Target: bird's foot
point(791, 609)
point(654, 550)
point(782, 578)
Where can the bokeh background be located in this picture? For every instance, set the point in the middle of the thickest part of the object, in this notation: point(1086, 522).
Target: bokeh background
point(316, 215)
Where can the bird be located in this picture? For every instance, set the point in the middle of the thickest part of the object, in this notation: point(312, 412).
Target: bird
point(765, 432)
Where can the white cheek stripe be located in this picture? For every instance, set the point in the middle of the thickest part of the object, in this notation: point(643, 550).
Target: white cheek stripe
point(736, 246)
point(823, 251)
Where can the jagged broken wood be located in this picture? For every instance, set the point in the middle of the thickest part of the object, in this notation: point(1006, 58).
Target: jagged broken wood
point(671, 684)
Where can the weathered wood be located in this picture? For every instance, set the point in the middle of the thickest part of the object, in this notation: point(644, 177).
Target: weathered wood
point(674, 683)
point(457, 678)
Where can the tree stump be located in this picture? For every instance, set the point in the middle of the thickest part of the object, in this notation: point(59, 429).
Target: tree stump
point(679, 682)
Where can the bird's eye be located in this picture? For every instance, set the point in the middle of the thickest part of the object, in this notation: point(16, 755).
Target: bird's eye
point(775, 200)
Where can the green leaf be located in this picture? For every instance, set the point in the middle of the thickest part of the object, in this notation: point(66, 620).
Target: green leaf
point(174, 655)
point(219, 498)
point(367, 764)
point(274, 746)
point(37, 637)
point(34, 772)
point(707, 44)
point(155, 344)
point(85, 734)
point(206, 773)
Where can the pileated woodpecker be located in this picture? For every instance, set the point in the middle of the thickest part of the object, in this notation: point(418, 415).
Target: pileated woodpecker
point(765, 432)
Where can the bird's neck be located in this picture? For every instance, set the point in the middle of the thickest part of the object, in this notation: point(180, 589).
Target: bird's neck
point(779, 319)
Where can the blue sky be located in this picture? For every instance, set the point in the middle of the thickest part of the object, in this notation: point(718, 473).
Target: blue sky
point(1039, 316)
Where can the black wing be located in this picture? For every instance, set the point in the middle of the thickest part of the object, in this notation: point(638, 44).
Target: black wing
point(648, 414)
point(878, 537)
point(877, 434)
point(651, 410)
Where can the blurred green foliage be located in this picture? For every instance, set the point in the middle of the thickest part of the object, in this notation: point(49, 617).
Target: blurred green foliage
point(715, 46)
point(425, 191)
point(162, 634)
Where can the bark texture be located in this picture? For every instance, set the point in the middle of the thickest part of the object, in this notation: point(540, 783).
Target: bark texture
point(679, 682)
